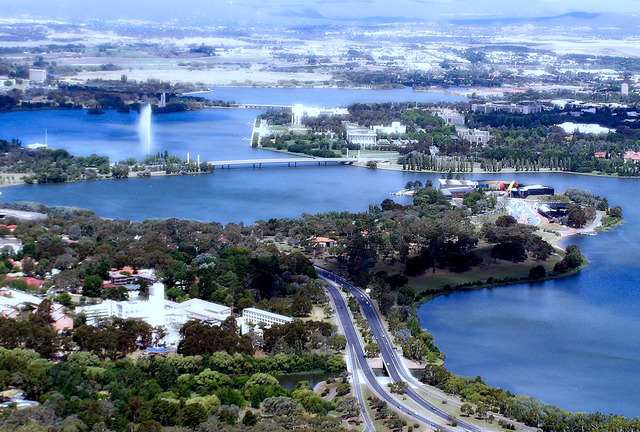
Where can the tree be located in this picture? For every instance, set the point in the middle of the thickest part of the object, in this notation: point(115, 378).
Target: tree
point(435, 376)
point(466, 409)
point(576, 217)
point(349, 405)
point(249, 419)
point(339, 343)
point(615, 212)
point(301, 306)
point(537, 272)
point(92, 286)
point(372, 349)
point(193, 414)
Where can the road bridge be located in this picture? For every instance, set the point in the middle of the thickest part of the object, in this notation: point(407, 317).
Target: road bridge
point(258, 163)
point(395, 367)
point(264, 106)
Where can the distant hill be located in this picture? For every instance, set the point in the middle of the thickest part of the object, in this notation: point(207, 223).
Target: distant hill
point(600, 23)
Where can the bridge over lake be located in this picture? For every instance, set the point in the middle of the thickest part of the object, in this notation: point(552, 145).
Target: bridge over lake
point(264, 106)
point(258, 163)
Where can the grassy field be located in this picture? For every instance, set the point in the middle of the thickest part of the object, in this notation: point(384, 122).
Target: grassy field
point(490, 267)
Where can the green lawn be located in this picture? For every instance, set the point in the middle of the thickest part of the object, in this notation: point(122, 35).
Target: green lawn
point(490, 267)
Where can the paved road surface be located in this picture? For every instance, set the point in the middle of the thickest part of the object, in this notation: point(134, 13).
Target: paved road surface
point(391, 361)
point(395, 366)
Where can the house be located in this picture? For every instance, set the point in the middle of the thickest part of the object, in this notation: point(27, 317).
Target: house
point(323, 241)
point(12, 302)
point(631, 156)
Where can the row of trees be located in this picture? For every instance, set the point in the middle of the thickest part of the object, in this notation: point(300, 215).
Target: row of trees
point(482, 399)
point(152, 393)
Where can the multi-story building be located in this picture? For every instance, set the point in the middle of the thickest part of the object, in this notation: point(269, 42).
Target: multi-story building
point(298, 111)
point(451, 117)
point(37, 75)
point(475, 136)
point(395, 128)
point(256, 316)
point(523, 108)
point(363, 137)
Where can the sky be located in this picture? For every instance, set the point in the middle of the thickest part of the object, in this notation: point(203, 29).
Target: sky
point(290, 12)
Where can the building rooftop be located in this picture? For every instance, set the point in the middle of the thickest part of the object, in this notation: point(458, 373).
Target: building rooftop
point(266, 313)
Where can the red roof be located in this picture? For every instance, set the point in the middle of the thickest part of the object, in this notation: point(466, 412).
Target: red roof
point(28, 280)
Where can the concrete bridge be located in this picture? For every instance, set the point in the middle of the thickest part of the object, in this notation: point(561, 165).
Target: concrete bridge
point(264, 106)
point(257, 163)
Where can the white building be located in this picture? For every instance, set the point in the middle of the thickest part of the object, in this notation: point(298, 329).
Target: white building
point(624, 88)
point(12, 242)
point(36, 146)
point(37, 75)
point(298, 111)
point(129, 277)
point(363, 137)
point(151, 311)
point(523, 108)
point(395, 128)
point(475, 136)
point(199, 310)
point(451, 117)
point(256, 316)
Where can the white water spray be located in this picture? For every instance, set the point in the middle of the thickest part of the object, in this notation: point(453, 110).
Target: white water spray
point(144, 128)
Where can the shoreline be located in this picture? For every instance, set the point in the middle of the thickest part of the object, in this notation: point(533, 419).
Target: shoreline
point(382, 167)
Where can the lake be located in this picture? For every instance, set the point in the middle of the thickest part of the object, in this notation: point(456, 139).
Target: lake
point(574, 342)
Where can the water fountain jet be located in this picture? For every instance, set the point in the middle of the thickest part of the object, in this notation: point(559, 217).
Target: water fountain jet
point(144, 128)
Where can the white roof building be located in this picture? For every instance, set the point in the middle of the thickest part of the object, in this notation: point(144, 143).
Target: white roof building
point(395, 128)
point(12, 242)
point(475, 136)
point(37, 75)
point(363, 137)
point(256, 316)
point(299, 111)
point(451, 117)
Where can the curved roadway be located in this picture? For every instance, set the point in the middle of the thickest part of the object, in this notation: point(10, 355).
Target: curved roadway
point(396, 369)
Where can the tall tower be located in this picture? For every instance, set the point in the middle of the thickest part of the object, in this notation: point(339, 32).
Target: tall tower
point(155, 304)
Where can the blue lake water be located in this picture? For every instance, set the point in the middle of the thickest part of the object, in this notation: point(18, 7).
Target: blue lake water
point(574, 342)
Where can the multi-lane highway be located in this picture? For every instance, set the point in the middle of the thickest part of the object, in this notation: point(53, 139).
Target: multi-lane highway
point(394, 365)
point(358, 360)
point(397, 371)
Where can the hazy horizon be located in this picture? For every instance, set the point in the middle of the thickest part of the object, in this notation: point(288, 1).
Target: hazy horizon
point(287, 12)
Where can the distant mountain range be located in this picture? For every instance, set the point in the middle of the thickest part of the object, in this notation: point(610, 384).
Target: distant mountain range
point(613, 14)
point(602, 21)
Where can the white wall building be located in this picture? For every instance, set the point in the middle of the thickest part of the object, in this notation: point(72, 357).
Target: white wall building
point(151, 311)
point(12, 242)
point(363, 137)
point(256, 316)
point(298, 111)
point(395, 128)
point(37, 75)
point(624, 88)
point(451, 117)
point(36, 146)
point(475, 136)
